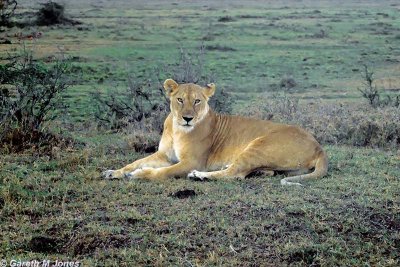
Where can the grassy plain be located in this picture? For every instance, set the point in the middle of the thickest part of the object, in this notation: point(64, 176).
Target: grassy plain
point(322, 46)
point(56, 206)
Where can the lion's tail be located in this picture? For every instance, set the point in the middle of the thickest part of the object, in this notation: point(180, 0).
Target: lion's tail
point(321, 169)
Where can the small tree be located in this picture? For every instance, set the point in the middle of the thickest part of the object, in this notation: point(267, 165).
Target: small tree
point(370, 91)
point(7, 10)
point(372, 94)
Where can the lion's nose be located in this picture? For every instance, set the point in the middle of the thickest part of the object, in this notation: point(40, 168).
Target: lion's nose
point(187, 119)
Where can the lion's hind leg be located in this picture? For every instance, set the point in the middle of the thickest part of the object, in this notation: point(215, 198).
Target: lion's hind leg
point(320, 170)
point(250, 160)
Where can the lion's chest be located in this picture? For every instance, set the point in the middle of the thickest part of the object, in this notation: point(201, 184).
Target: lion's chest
point(179, 149)
point(175, 151)
point(173, 156)
point(182, 148)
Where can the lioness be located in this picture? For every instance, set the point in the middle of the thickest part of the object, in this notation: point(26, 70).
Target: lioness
point(201, 144)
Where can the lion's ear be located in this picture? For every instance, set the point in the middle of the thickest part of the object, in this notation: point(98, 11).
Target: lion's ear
point(209, 89)
point(170, 86)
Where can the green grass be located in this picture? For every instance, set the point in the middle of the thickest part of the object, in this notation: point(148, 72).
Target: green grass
point(350, 217)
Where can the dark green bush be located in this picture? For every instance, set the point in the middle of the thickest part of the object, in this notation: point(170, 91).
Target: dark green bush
point(30, 95)
point(7, 10)
point(52, 13)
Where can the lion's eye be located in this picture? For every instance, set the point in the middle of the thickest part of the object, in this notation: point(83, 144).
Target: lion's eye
point(180, 100)
point(197, 101)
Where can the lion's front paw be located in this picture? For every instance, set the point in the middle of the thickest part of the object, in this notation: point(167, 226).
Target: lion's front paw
point(144, 173)
point(196, 175)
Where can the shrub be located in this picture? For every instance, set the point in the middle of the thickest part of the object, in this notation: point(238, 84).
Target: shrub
point(52, 13)
point(138, 110)
point(226, 19)
point(370, 91)
point(143, 140)
point(321, 34)
point(287, 83)
point(139, 104)
point(191, 68)
point(372, 94)
point(7, 10)
point(30, 94)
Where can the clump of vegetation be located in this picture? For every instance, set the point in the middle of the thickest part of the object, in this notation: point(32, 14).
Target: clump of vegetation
point(287, 83)
point(7, 10)
point(370, 91)
point(221, 48)
point(191, 68)
point(320, 34)
point(372, 94)
point(30, 95)
point(139, 111)
point(135, 104)
point(52, 13)
point(226, 19)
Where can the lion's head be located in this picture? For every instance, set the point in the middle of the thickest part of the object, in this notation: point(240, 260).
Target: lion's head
point(188, 102)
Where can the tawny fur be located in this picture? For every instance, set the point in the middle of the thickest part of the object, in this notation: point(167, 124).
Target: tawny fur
point(216, 146)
